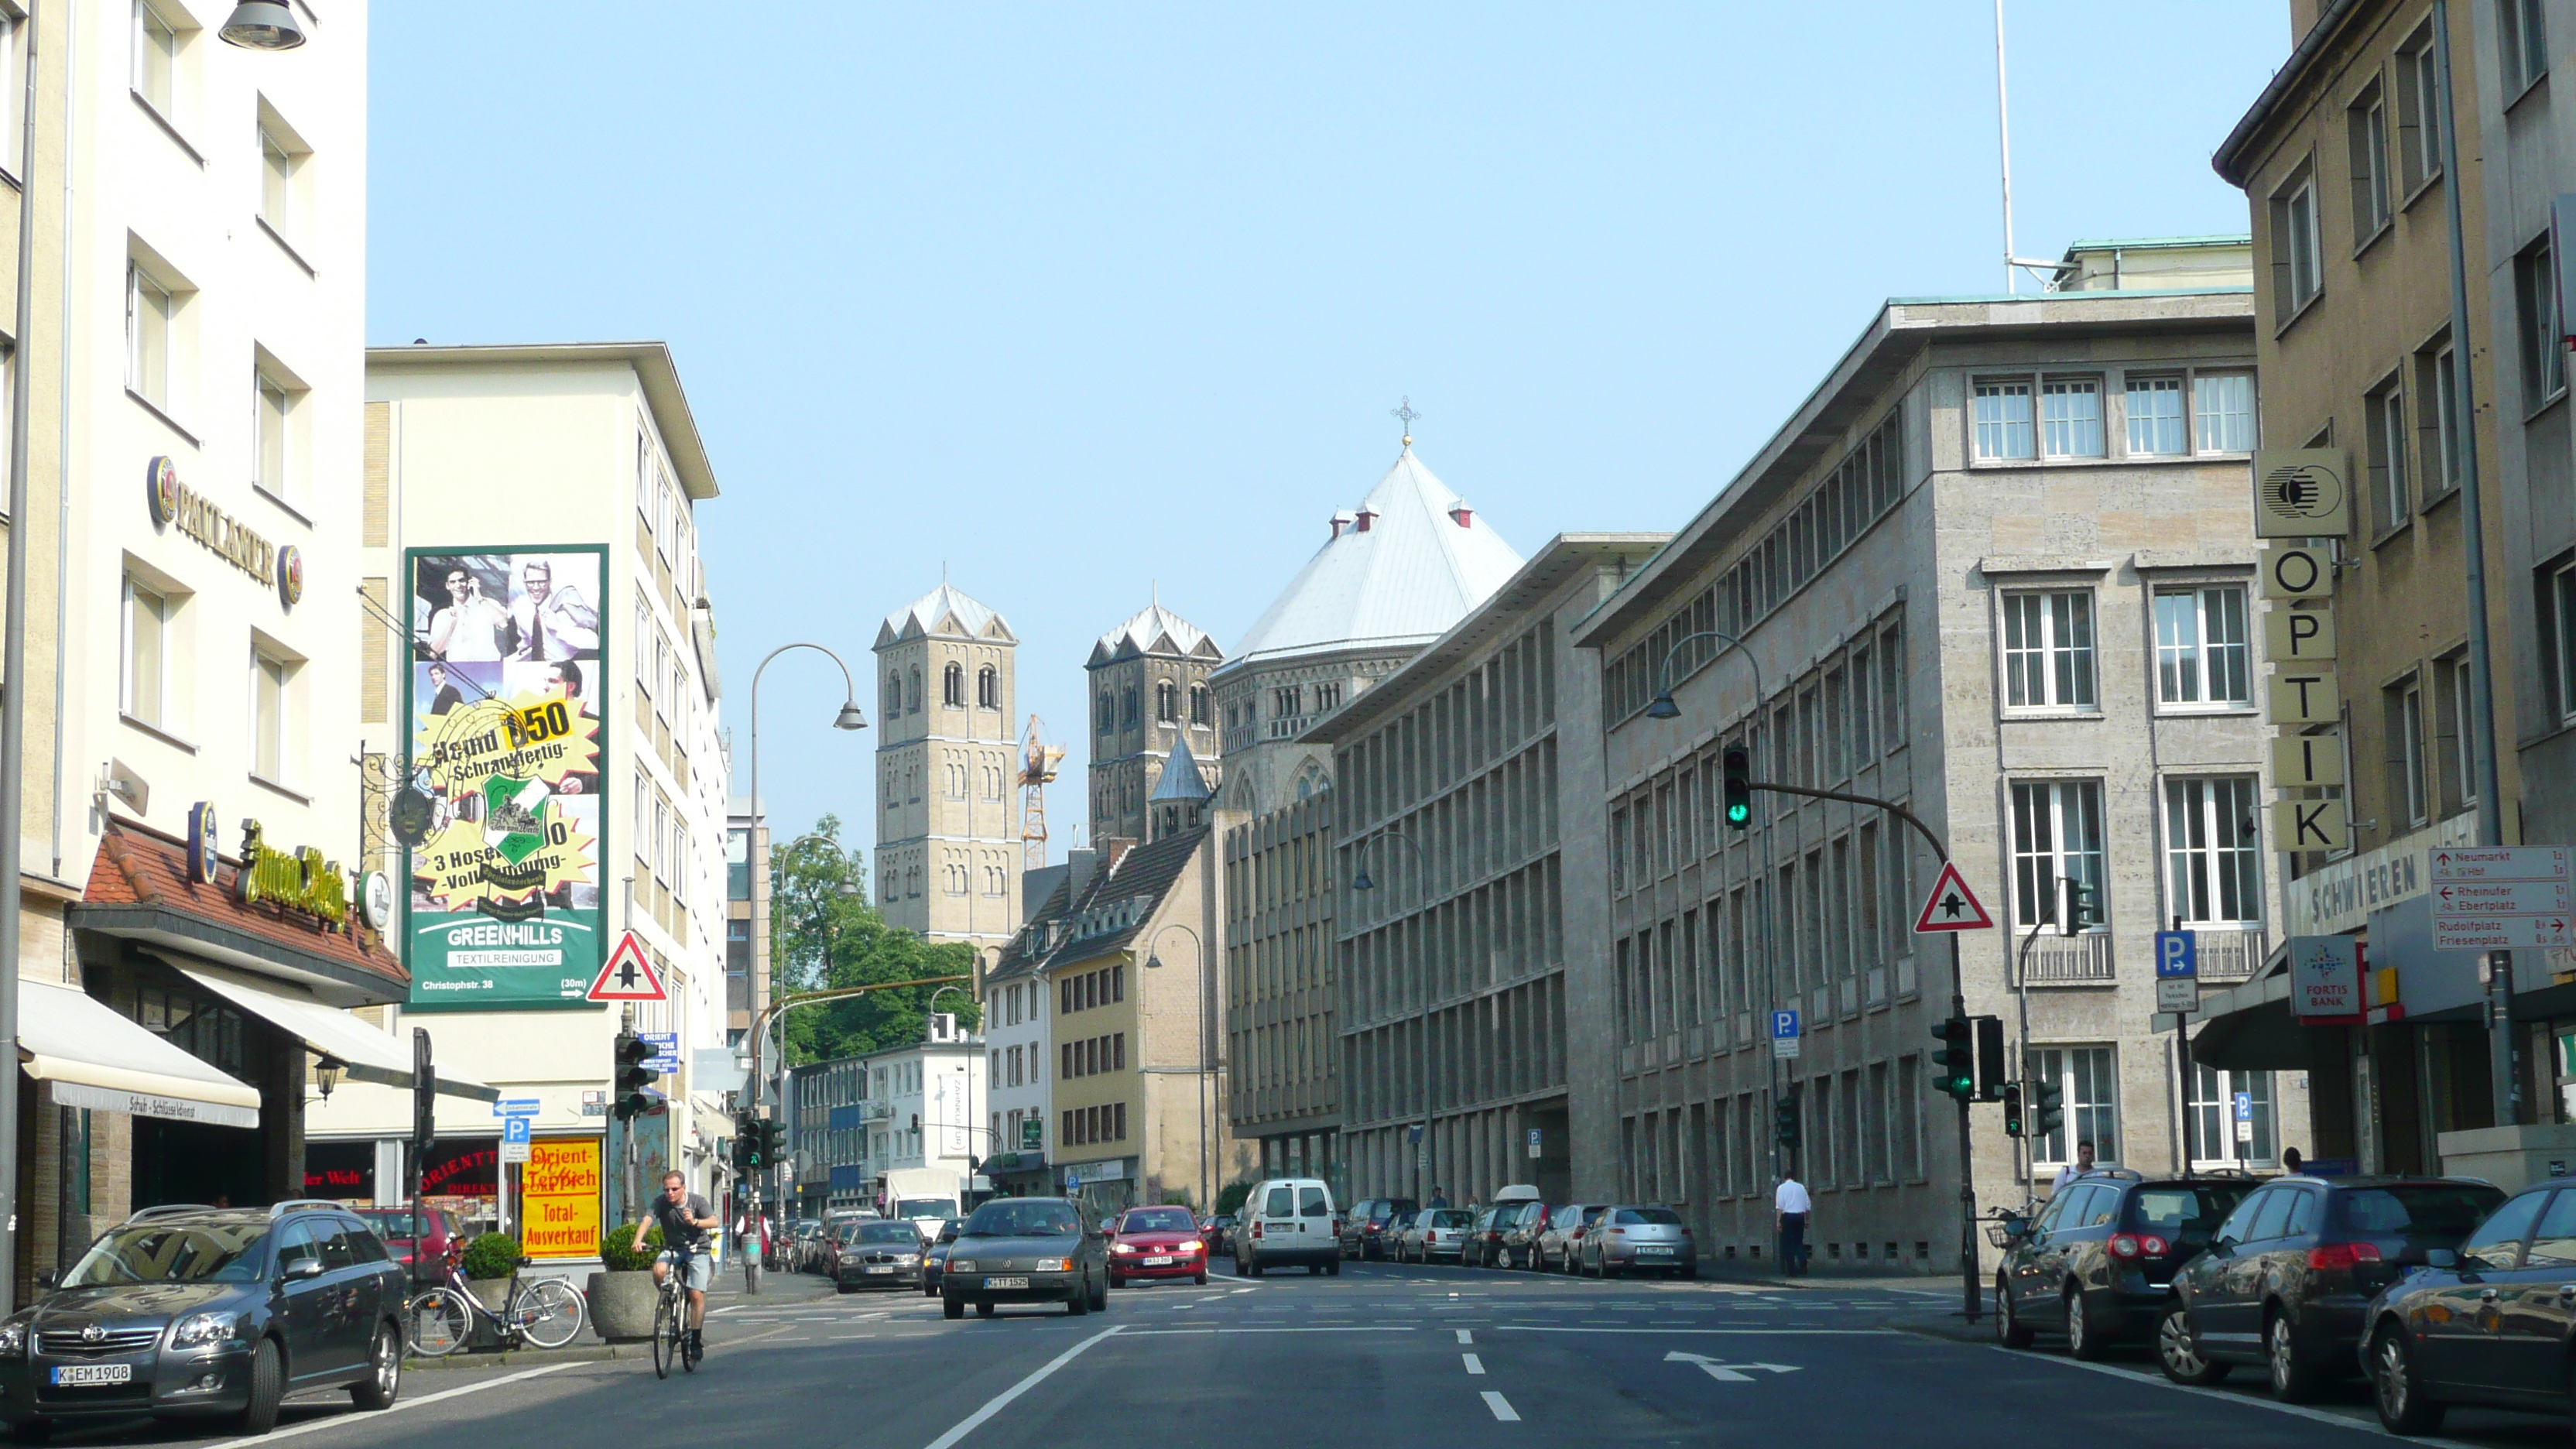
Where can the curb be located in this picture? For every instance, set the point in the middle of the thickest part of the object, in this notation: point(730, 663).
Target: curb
point(521, 1357)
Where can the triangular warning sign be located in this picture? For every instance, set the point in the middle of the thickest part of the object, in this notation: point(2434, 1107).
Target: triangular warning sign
point(629, 975)
point(1952, 906)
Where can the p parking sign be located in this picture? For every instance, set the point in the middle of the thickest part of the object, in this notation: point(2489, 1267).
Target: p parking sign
point(2177, 971)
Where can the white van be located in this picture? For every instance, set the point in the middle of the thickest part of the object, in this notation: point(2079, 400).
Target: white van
point(1287, 1221)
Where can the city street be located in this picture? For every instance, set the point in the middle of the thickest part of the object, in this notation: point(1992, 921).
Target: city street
point(1399, 1354)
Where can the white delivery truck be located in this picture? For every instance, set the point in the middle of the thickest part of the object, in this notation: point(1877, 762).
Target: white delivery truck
point(926, 1196)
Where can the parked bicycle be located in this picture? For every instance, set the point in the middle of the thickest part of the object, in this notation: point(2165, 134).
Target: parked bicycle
point(672, 1341)
point(545, 1313)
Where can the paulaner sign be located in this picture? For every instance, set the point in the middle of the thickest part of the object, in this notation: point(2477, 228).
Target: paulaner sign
point(197, 516)
point(303, 881)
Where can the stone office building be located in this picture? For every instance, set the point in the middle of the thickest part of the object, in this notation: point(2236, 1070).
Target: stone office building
point(1997, 568)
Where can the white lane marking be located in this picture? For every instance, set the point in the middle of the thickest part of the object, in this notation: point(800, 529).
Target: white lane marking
point(347, 1420)
point(1502, 1407)
point(1002, 1400)
point(1464, 1336)
point(1474, 1364)
point(2369, 1426)
point(730, 1308)
point(1203, 1332)
point(1751, 1332)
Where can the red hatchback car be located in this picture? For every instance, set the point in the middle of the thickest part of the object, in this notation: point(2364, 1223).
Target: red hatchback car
point(1156, 1242)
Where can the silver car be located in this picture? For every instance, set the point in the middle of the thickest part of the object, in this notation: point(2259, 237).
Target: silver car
point(1560, 1247)
point(1433, 1233)
point(1640, 1239)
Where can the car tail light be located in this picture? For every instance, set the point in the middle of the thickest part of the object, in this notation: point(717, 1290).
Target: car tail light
point(2326, 1257)
point(1618, 1232)
point(1256, 1229)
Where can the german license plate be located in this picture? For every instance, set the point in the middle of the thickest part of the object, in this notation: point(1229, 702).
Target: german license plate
point(1006, 1282)
point(881, 1269)
point(1158, 1262)
point(1659, 1252)
point(72, 1374)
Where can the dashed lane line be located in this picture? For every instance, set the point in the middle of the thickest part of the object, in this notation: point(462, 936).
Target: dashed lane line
point(1475, 1365)
point(1465, 1336)
point(1502, 1407)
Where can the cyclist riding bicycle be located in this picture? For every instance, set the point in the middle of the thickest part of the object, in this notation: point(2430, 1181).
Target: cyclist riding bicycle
point(685, 1220)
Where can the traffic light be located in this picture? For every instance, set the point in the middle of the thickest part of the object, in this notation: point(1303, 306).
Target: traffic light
point(1784, 1119)
point(2048, 1104)
point(2083, 907)
point(1954, 1066)
point(1990, 1058)
point(742, 1144)
point(1739, 788)
point(757, 1150)
point(2012, 1110)
point(631, 1077)
point(770, 1139)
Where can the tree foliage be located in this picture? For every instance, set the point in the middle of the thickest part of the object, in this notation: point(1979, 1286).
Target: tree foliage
point(824, 933)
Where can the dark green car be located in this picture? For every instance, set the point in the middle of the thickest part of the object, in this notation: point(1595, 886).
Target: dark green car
point(1026, 1250)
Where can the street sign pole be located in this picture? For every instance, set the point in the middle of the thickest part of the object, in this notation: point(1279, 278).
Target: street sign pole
point(1967, 1161)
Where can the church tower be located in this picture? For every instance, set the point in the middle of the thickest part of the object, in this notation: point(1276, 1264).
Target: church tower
point(1149, 705)
point(948, 848)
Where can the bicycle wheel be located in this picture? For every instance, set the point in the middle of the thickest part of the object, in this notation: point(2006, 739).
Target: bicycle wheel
point(438, 1322)
point(665, 1339)
point(548, 1312)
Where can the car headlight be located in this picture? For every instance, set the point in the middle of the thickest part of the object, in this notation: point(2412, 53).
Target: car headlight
point(902, 1258)
point(1192, 1246)
point(202, 1328)
point(961, 1265)
point(13, 1339)
point(1055, 1265)
point(1122, 1247)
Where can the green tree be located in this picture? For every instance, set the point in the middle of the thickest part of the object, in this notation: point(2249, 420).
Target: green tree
point(825, 933)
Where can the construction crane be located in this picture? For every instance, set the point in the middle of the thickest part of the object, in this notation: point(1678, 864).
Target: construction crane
point(1038, 761)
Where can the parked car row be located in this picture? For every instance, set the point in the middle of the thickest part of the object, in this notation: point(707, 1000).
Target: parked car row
point(1519, 1230)
point(2438, 1291)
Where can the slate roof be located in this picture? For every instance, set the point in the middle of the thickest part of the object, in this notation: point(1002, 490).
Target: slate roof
point(1181, 778)
point(1155, 631)
point(944, 610)
point(1113, 907)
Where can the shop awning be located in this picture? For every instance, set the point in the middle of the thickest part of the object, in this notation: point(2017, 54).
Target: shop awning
point(96, 1058)
point(371, 1055)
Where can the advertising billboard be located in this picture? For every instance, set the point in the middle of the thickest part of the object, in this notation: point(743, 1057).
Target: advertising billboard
point(559, 1198)
point(501, 812)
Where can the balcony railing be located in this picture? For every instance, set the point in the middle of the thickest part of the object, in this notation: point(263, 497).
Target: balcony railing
point(2069, 960)
point(2230, 954)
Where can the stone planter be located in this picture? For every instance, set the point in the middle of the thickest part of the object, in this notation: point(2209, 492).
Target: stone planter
point(492, 1293)
point(621, 1306)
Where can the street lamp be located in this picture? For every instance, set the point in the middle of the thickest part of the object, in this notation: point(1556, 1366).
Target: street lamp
point(263, 25)
point(1199, 1073)
point(1360, 882)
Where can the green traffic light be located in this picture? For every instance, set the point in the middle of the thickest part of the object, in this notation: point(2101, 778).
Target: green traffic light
point(1738, 814)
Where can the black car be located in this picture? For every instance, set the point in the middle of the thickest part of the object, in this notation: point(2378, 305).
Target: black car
point(935, 1257)
point(1369, 1232)
point(875, 1253)
point(1026, 1250)
point(201, 1311)
point(2288, 1280)
point(2488, 1323)
point(1221, 1234)
point(2098, 1262)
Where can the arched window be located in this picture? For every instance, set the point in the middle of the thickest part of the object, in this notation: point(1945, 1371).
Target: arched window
point(1166, 703)
point(1128, 702)
point(1198, 704)
point(988, 688)
point(1108, 713)
point(952, 686)
point(912, 694)
point(893, 703)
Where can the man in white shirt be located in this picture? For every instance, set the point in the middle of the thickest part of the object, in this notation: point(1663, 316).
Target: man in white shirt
point(552, 623)
point(2082, 1164)
point(1789, 1209)
point(469, 630)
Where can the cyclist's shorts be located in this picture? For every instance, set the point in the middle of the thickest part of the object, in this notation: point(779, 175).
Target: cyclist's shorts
point(699, 1272)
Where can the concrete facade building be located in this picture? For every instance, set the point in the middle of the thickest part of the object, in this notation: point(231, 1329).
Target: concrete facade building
point(948, 839)
point(1282, 1006)
point(1149, 696)
point(1999, 568)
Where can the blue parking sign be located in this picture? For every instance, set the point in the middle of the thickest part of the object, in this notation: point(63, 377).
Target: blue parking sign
point(2177, 954)
point(1784, 1025)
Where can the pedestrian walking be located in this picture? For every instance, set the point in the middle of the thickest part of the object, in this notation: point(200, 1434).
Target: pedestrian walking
point(2082, 1164)
point(1789, 1209)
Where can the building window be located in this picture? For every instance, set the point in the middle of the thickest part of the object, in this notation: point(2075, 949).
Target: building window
point(2070, 415)
point(147, 655)
point(2384, 413)
point(2213, 850)
point(2402, 704)
point(2544, 349)
point(2202, 656)
point(2366, 132)
point(150, 309)
point(2453, 731)
point(281, 189)
point(2048, 650)
point(2155, 417)
point(988, 688)
point(1107, 714)
point(1198, 704)
point(2057, 836)
point(2298, 268)
point(912, 690)
point(275, 415)
point(2215, 1120)
point(2222, 403)
point(13, 80)
point(2092, 1101)
point(268, 723)
point(737, 865)
point(952, 687)
point(2419, 113)
point(2437, 379)
point(1167, 703)
point(2003, 428)
point(1127, 706)
point(2522, 42)
point(156, 58)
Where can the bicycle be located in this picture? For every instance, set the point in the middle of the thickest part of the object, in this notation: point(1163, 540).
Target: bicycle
point(671, 1337)
point(440, 1320)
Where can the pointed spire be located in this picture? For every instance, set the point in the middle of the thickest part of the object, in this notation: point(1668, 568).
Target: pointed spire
point(1181, 780)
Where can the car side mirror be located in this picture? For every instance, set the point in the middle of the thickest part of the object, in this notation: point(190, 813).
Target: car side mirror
point(2441, 1258)
point(49, 1282)
point(2222, 1246)
point(304, 1268)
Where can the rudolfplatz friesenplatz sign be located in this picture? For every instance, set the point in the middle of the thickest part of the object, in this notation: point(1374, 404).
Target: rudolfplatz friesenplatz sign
point(500, 808)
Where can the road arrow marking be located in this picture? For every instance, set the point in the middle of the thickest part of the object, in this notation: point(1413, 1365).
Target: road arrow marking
point(1728, 1373)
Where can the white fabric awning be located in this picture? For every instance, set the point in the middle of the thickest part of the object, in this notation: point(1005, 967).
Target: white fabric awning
point(98, 1059)
point(372, 1055)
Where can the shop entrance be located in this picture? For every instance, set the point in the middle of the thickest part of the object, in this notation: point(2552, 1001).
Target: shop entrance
point(193, 1162)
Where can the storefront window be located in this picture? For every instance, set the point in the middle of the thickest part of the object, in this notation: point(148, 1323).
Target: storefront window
point(203, 1028)
point(464, 1177)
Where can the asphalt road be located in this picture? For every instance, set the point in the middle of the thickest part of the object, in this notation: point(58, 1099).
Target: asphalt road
point(1382, 1354)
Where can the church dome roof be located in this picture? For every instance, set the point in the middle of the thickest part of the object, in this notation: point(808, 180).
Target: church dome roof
point(944, 611)
point(1155, 631)
point(1399, 570)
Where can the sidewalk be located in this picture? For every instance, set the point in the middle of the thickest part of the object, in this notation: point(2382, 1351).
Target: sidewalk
point(586, 1346)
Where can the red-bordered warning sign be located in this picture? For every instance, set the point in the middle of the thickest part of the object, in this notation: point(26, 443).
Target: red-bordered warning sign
point(1952, 906)
point(628, 975)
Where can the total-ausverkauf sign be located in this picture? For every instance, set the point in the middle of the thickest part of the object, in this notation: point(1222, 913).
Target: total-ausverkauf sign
point(559, 1198)
point(504, 699)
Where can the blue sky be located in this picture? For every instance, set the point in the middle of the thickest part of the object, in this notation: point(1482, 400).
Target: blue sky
point(1073, 302)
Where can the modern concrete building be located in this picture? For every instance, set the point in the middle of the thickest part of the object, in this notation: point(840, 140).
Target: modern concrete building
point(1998, 568)
point(1282, 1006)
point(948, 836)
point(1149, 697)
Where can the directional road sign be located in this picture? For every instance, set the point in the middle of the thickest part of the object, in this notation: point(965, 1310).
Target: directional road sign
point(1784, 1034)
point(2177, 971)
point(1951, 906)
point(516, 1107)
point(2503, 898)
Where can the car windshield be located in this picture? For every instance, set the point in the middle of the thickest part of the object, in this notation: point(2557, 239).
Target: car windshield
point(2434, 1209)
point(2174, 1209)
point(938, 1209)
point(1653, 1217)
point(1159, 1220)
point(1402, 1207)
point(205, 1252)
point(1022, 1220)
point(885, 1233)
point(1452, 1218)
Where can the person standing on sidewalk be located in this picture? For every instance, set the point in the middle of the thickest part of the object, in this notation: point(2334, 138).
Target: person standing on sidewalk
point(1789, 1209)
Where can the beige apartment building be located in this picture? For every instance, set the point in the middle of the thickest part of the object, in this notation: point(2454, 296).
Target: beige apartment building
point(948, 834)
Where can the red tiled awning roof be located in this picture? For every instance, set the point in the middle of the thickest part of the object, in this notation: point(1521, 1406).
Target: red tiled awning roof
point(139, 886)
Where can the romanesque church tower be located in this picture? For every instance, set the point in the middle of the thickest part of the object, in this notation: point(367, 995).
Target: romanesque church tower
point(1149, 696)
point(948, 840)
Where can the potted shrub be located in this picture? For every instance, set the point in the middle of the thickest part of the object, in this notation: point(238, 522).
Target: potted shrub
point(489, 1261)
point(621, 1296)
